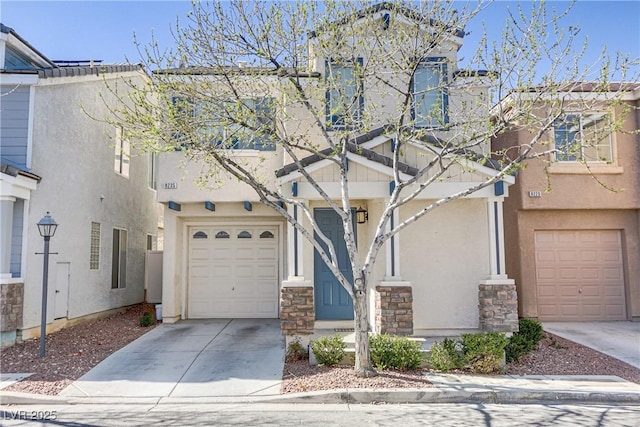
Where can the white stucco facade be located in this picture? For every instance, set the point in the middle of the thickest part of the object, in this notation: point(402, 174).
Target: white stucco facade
point(442, 258)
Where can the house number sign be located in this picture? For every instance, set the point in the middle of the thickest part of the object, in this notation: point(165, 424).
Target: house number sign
point(170, 185)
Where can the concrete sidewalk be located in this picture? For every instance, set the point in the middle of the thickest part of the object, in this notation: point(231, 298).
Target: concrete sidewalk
point(618, 339)
point(447, 388)
point(208, 358)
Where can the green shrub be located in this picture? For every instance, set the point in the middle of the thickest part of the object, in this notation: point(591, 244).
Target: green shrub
point(329, 350)
point(147, 319)
point(444, 356)
point(532, 331)
point(389, 351)
point(296, 351)
point(523, 341)
point(483, 352)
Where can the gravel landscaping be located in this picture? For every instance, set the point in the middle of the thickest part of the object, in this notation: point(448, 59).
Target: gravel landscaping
point(73, 351)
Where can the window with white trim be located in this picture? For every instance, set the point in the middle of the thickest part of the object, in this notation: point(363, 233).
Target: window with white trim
point(122, 154)
point(94, 255)
point(119, 259)
point(584, 137)
point(430, 99)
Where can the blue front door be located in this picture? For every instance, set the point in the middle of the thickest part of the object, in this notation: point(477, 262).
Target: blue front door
point(331, 299)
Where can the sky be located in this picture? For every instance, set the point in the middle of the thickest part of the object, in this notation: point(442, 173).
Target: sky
point(86, 29)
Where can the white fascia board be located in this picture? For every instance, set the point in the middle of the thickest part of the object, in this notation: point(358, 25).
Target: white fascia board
point(18, 79)
point(378, 167)
point(27, 51)
point(17, 186)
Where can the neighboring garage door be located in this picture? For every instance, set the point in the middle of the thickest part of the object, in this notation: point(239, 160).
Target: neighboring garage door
point(579, 275)
point(233, 272)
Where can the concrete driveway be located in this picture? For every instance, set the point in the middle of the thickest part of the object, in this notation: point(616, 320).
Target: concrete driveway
point(205, 358)
point(618, 339)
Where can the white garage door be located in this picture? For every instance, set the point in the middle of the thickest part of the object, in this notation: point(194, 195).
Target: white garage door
point(233, 272)
point(579, 275)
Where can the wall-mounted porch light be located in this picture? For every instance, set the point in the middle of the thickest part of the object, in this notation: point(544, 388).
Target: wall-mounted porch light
point(362, 216)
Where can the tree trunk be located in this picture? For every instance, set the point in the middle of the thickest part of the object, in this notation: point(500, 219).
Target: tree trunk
point(363, 367)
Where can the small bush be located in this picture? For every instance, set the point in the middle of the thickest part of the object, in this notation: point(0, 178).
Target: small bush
point(147, 319)
point(394, 352)
point(523, 341)
point(532, 331)
point(329, 350)
point(444, 356)
point(296, 351)
point(483, 352)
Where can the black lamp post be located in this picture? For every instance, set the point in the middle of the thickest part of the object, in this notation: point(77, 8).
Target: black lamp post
point(47, 228)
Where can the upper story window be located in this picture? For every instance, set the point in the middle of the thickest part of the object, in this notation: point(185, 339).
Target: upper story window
point(222, 124)
point(430, 99)
point(122, 154)
point(344, 96)
point(152, 177)
point(583, 137)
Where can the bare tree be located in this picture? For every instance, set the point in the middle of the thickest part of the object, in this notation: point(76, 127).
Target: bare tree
point(294, 76)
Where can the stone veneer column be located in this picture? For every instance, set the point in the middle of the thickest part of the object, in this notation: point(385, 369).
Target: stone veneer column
point(297, 312)
point(394, 310)
point(498, 305)
point(12, 296)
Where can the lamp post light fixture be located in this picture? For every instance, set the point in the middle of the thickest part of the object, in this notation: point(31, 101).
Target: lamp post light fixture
point(47, 228)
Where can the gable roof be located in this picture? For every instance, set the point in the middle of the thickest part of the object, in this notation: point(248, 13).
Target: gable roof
point(25, 48)
point(357, 147)
point(390, 7)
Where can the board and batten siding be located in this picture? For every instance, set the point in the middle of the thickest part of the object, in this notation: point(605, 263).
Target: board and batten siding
point(14, 124)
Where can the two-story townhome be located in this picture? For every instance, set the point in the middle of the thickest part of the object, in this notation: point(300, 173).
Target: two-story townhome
point(572, 220)
point(58, 156)
point(226, 255)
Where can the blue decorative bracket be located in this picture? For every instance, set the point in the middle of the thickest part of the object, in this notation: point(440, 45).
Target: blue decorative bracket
point(498, 188)
point(175, 206)
point(210, 206)
point(248, 206)
point(294, 189)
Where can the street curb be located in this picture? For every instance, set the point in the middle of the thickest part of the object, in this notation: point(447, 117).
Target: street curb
point(346, 396)
point(17, 398)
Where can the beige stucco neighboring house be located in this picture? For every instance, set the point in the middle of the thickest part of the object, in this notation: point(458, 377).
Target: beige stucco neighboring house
point(226, 255)
point(572, 220)
point(57, 158)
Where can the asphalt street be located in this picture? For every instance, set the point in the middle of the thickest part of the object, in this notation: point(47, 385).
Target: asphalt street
point(323, 415)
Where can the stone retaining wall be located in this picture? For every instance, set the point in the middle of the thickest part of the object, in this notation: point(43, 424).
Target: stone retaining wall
point(297, 313)
point(498, 307)
point(394, 310)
